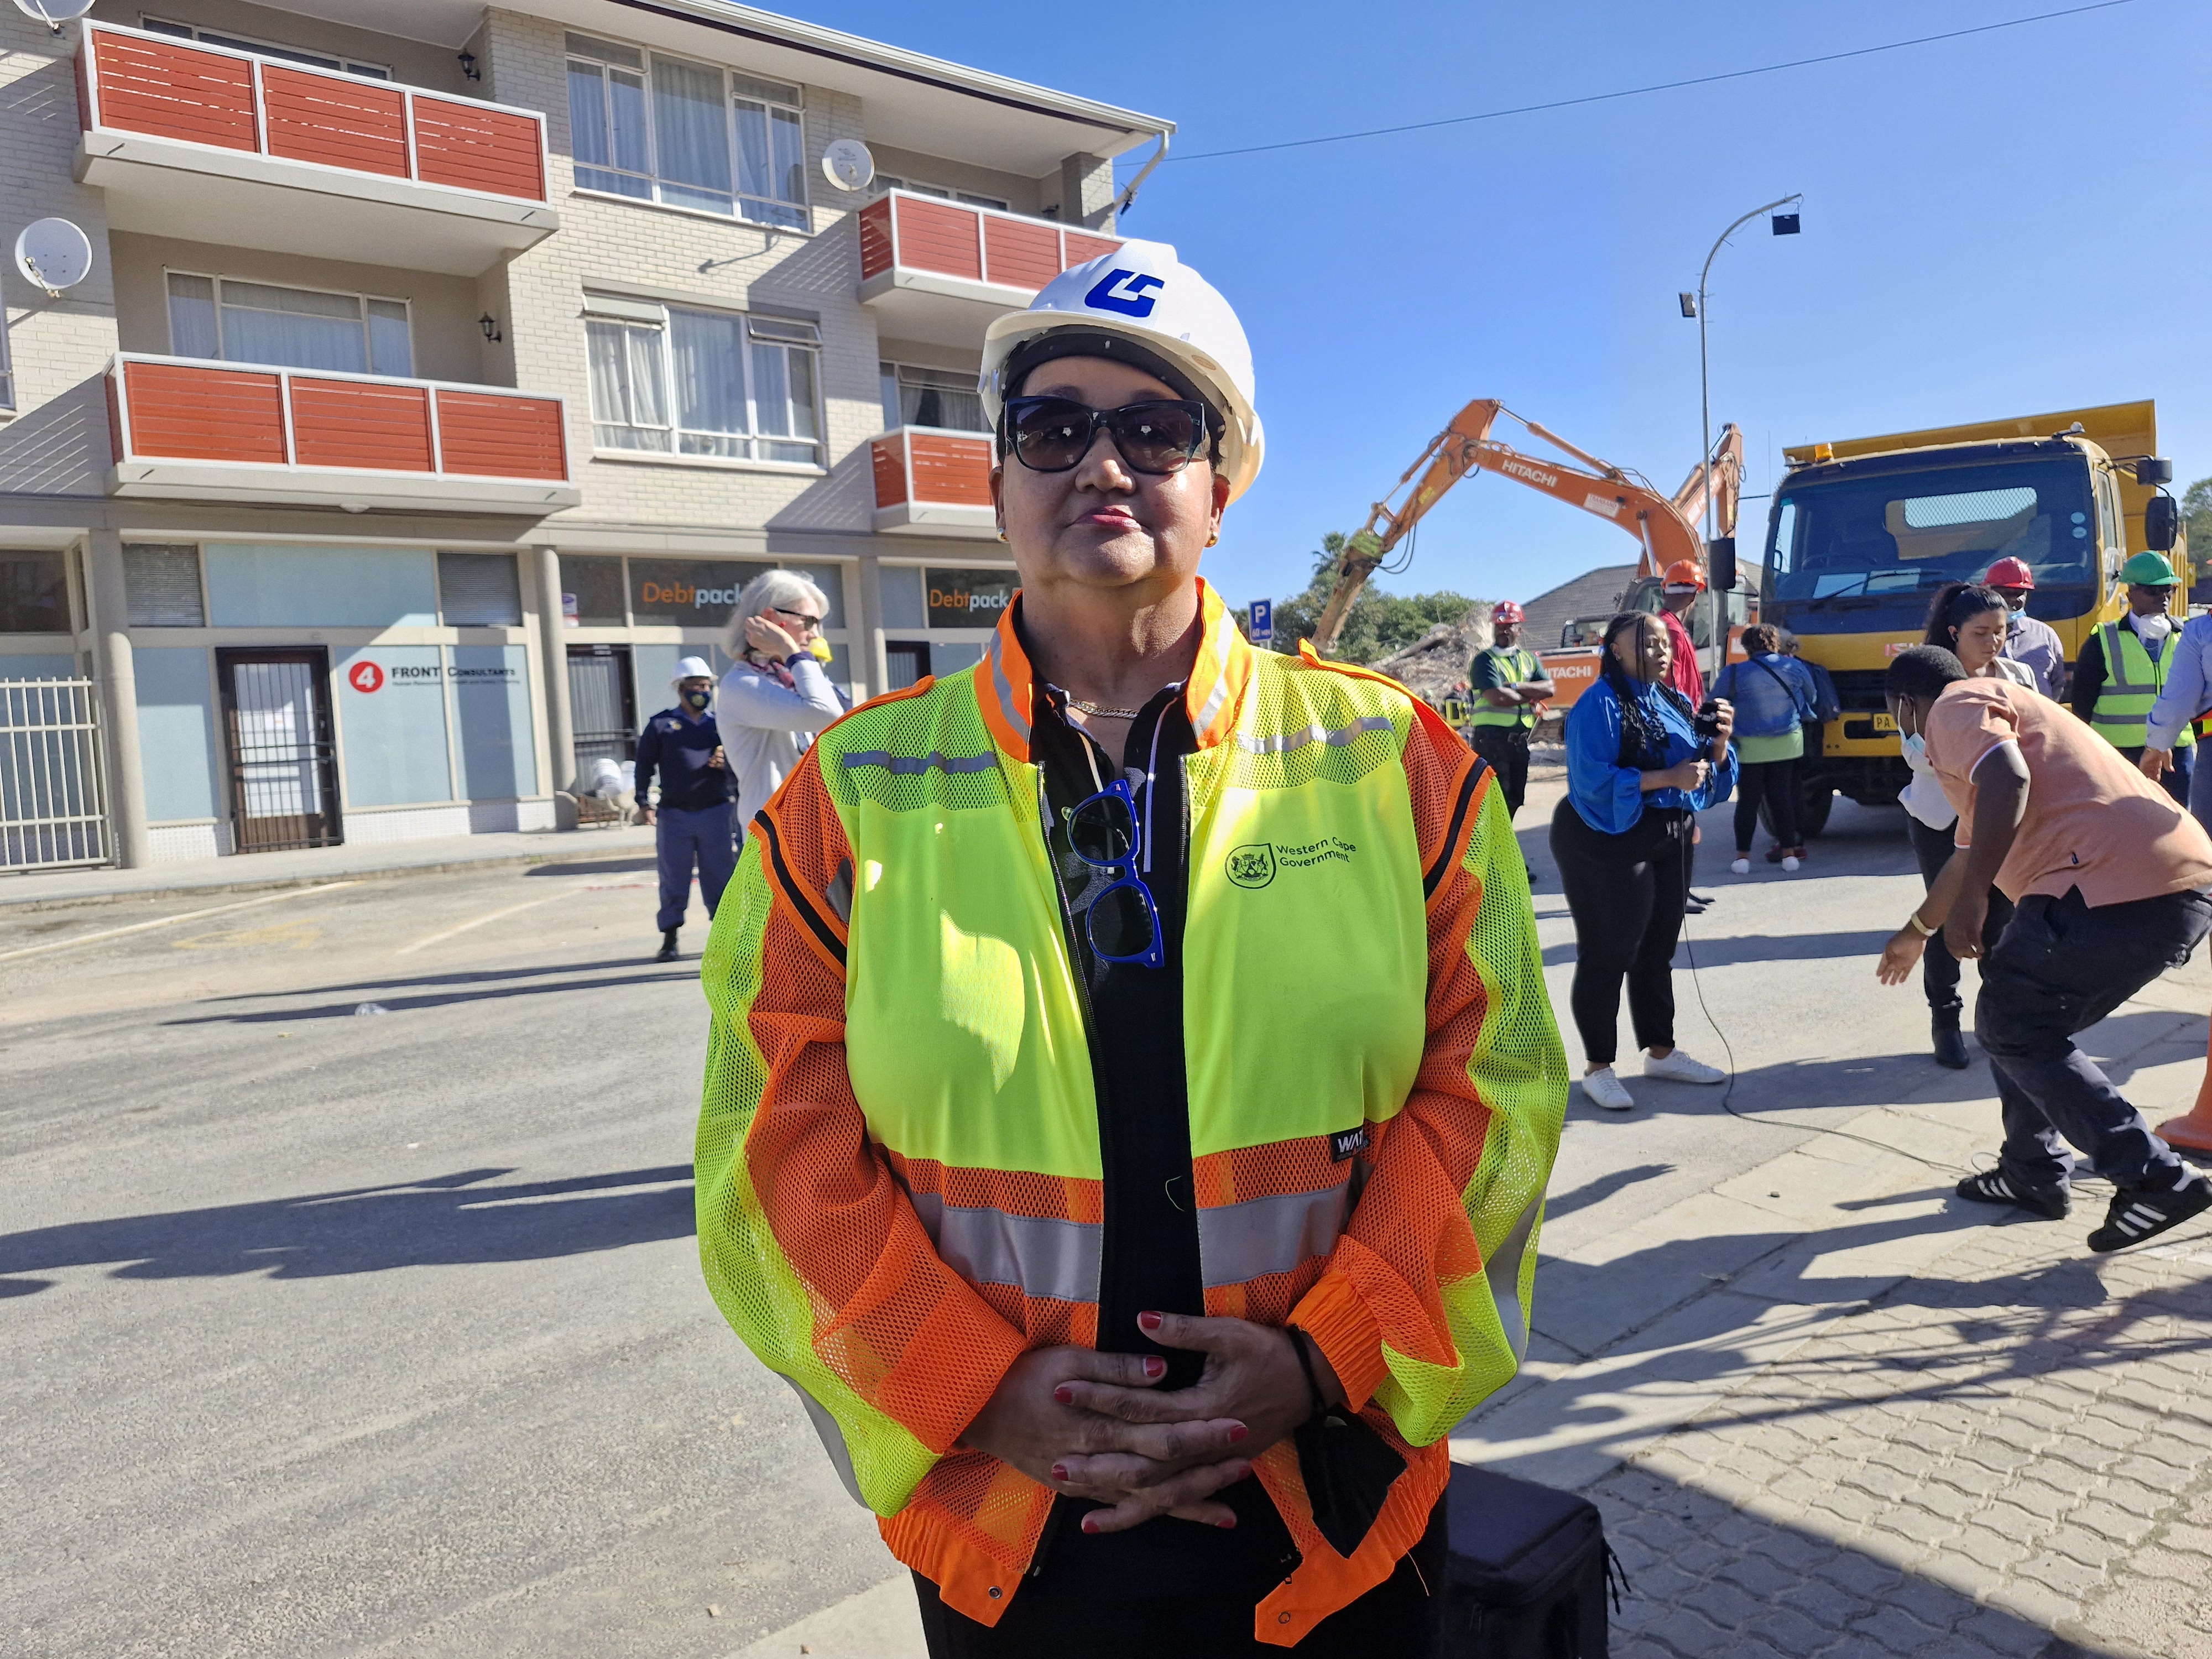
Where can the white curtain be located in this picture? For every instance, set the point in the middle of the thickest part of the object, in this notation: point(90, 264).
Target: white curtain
point(691, 123)
point(710, 381)
point(627, 377)
point(292, 327)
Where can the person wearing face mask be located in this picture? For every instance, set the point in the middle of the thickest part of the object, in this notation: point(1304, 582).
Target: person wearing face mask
point(2111, 884)
point(1131, 1087)
point(1969, 621)
point(2033, 644)
point(2124, 667)
point(1638, 773)
point(692, 823)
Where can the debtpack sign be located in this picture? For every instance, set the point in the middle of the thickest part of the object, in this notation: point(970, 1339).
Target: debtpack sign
point(694, 592)
point(969, 599)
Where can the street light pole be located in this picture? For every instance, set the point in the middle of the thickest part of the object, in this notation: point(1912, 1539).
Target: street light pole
point(1705, 408)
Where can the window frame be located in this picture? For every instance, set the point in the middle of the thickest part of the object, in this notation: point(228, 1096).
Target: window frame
point(306, 58)
point(7, 406)
point(737, 88)
point(888, 369)
point(757, 332)
point(368, 352)
point(884, 183)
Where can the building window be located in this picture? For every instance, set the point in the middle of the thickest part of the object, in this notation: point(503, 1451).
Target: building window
point(266, 48)
point(161, 585)
point(34, 593)
point(884, 181)
point(222, 317)
point(931, 397)
point(671, 380)
point(479, 590)
point(7, 366)
point(686, 134)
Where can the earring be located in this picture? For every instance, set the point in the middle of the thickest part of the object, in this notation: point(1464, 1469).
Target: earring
point(1002, 532)
point(1214, 537)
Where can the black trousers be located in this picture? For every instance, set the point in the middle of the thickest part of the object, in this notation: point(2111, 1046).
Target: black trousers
point(1506, 748)
point(1939, 968)
point(1626, 893)
point(1399, 1617)
point(2060, 968)
point(1774, 782)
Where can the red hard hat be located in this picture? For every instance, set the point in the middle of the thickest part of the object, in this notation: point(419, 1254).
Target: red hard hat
point(2010, 573)
point(1683, 573)
point(1507, 612)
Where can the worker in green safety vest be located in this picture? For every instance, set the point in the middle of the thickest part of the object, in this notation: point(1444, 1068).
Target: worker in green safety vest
point(1510, 689)
point(2123, 666)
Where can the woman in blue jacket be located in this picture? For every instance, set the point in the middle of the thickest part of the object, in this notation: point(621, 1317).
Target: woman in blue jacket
point(1638, 771)
point(1774, 697)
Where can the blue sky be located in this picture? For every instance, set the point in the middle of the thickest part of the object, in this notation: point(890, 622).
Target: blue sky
point(2004, 224)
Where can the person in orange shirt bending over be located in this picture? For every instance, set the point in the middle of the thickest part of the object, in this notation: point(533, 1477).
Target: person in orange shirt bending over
point(2109, 877)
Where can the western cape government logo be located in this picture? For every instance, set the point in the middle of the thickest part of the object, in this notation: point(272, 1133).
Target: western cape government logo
point(1254, 864)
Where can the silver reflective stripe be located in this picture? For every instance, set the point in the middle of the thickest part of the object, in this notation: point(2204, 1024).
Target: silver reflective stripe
point(1262, 1235)
point(1335, 739)
point(907, 765)
point(2116, 669)
point(1214, 699)
point(833, 1441)
point(1503, 1270)
point(1035, 1254)
point(1018, 717)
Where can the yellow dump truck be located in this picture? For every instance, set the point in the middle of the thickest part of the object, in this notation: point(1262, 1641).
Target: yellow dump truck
point(1861, 531)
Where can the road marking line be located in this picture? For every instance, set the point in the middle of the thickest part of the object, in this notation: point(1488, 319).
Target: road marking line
point(476, 921)
point(170, 921)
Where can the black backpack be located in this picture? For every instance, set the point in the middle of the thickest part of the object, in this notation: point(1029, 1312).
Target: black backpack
point(1528, 1571)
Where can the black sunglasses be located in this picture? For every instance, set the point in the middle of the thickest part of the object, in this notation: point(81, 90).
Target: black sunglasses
point(1122, 922)
point(1157, 437)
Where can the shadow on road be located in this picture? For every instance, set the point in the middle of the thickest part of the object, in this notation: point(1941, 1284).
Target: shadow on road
point(472, 976)
point(1722, 951)
point(444, 1221)
point(594, 867)
point(397, 1004)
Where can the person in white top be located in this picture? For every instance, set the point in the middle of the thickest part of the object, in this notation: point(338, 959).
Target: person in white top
point(775, 695)
point(1972, 621)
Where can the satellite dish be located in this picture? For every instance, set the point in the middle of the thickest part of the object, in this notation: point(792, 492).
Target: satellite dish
point(53, 253)
point(848, 165)
point(54, 13)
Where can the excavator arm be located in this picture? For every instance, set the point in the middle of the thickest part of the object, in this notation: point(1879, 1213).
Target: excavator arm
point(1662, 529)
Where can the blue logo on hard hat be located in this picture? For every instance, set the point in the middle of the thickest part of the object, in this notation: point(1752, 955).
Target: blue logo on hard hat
point(1131, 301)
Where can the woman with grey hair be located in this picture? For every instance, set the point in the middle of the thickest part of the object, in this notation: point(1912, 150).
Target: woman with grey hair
point(775, 695)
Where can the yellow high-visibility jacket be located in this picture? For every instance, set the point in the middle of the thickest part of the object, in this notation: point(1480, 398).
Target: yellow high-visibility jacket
point(899, 1172)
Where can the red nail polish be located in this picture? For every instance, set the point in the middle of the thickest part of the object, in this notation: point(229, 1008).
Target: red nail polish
point(1060, 1471)
point(1090, 1524)
point(1237, 1431)
point(1148, 1321)
point(1064, 1395)
point(1229, 1525)
point(1155, 1367)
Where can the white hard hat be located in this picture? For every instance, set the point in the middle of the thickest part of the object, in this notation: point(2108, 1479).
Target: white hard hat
point(690, 668)
point(1143, 295)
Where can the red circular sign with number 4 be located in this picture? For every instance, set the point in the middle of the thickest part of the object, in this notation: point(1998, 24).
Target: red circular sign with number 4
point(366, 676)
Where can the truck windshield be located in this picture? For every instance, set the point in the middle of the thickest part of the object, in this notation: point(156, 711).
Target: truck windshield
point(1907, 532)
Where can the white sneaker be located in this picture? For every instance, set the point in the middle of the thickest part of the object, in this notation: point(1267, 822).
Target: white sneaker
point(1741, 867)
point(1790, 864)
point(1680, 1068)
point(1605, 1088)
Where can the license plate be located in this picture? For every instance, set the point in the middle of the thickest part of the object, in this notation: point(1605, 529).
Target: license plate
point(1885, 723)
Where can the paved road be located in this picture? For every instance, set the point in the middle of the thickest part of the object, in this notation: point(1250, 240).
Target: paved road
point(332, 1332)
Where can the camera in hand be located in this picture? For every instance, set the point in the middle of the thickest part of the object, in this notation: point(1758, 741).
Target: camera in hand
point(1706, 722)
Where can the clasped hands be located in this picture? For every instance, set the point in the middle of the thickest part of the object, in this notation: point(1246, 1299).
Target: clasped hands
point(1096, 1425)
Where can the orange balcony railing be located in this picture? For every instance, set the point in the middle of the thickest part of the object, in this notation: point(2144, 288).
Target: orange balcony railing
point(130, 81)
point(940, 271)
point(185, 427)
point(930, 480)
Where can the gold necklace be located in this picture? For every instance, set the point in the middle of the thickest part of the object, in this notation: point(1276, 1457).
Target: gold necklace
point(1102, 711)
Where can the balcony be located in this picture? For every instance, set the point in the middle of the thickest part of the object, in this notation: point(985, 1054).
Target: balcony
point(215, 145)
point(185, 429)
point(938, 271)
point(931, 482)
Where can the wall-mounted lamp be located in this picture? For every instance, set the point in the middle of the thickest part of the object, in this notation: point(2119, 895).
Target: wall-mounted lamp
point(469, 66)
point(489, 325)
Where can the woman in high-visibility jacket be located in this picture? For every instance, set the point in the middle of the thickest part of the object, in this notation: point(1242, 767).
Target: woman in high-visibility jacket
point(1132, 1086)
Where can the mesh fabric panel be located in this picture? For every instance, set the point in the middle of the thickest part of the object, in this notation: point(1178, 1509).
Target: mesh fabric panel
point(1014, 1192)
point(1302, 1165)
point(936, 746)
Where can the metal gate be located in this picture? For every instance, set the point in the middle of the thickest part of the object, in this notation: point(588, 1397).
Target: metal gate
point(602, 705)
point(283, 769)
point(52, 807)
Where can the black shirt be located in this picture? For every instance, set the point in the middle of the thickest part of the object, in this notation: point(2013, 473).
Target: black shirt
point(1150, 1259)
point(679, 748)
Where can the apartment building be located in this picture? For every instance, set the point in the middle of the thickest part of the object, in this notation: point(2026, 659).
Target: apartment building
point(442, 373)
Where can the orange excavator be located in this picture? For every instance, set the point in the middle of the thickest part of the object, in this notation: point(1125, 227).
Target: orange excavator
point(1664, 528)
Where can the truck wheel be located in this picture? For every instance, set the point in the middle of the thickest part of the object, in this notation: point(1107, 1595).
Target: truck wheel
point(1812, 811)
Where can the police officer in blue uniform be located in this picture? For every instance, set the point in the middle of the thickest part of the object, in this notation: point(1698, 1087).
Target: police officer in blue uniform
point(698, 799)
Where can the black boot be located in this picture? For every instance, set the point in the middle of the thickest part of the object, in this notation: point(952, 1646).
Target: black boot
point(668, 951)
point(1950, 1047)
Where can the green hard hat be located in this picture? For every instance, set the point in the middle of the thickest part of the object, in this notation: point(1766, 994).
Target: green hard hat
point(2148, 571)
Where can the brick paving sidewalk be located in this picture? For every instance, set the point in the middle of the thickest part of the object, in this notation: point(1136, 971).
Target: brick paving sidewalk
point(2008, 1453)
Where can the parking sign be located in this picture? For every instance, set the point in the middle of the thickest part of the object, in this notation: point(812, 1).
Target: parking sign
point(1263, 622)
